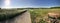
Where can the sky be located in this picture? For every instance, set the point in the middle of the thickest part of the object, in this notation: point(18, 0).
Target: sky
point(31, 3)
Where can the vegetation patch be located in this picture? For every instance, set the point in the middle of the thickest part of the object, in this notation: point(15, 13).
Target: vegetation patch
point(8, 14)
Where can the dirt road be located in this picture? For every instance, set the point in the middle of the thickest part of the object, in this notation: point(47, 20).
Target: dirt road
point(23, 18)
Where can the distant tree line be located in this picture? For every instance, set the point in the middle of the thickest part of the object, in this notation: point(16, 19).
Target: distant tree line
point(39, 8)
point(54, 7)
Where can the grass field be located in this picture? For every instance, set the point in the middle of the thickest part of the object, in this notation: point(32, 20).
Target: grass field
point(39, 15)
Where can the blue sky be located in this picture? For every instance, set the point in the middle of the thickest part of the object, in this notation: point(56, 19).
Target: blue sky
point(33, 3)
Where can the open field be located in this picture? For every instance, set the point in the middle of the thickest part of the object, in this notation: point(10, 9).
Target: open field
point(39, 15)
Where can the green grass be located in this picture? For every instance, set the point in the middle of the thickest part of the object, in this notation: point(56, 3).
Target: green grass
point(7, 14)
point(38, 15)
